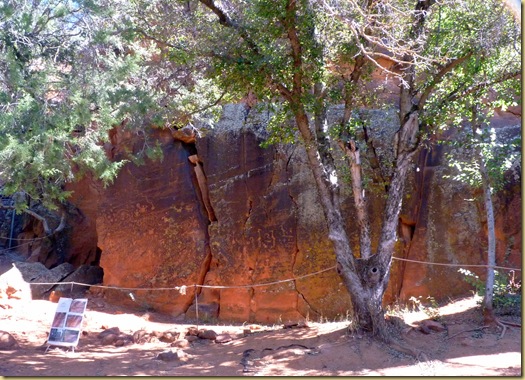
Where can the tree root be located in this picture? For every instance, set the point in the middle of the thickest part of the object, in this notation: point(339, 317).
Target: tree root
point(504, 328)
point(419, 355)
point(462, 332)
point(512, 324)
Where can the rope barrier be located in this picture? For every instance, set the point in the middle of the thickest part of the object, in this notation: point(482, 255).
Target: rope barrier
point(182, 289)
point(454, 265)
point(28, 239)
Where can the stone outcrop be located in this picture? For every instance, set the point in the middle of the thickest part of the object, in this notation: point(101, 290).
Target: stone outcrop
point(234, 222)
point(223, 211)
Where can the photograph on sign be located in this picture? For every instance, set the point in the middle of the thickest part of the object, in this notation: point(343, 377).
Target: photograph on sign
point(74, 321)
point(71, 336)
point(59, 319)
point(55, 335)
point(78, 306)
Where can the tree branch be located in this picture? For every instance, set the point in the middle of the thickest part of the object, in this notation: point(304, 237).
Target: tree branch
point(439, 77)
point(457, 93)
point(45, 224)
point(226, 21)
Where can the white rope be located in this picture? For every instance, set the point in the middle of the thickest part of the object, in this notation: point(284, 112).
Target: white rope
point(454, 265)
point(182, 289)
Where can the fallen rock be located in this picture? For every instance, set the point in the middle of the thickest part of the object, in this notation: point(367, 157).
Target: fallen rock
point(141, 337)
point(109, 339)
point(7, 341)
point(113, 330)
point(84, 274)
point(169, 336)
point(13, 285)
point(180, 343)
point(51, 276)
point(193, 331)
point(295, 325)
point(167, 356)
point(191, 338)
point(207, 334)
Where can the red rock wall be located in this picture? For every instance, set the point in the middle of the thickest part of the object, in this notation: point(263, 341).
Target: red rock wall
point(260, 221)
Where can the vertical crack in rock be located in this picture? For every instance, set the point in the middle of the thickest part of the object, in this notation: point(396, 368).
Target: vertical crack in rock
point(202, 192)
point(202, 184)
point(205, 268)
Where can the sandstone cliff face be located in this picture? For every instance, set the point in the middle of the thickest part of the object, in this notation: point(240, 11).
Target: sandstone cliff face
point(222, 211)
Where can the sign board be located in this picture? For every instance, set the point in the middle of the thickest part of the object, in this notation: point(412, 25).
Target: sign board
point(67, 323)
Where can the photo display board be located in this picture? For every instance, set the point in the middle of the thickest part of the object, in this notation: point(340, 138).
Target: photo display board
point(67, 323)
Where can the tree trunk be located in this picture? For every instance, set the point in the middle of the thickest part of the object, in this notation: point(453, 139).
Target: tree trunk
point(488, 312)
point(366, 279)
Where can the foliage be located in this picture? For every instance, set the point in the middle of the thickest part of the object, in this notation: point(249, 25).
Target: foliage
point(431, 309)
point(499, 157)
point(70, 71)
point(506, 294)
point(58, 92)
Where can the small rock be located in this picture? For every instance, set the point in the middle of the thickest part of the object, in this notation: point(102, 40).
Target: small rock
point(193, 331)
point(167, 356)
point(109, 339)
point(7, 341)
point(191, 338)
point(111, 331)
point(169, 337)
point(180, 343)
point(141, 337)
point(223, 338)
point(207, 334)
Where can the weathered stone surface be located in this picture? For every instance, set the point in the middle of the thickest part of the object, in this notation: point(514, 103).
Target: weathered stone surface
point(169, 356)
point(450, 228)
point(51, 276)
point(207, 334)
point(181, 343)
point(85, 274)
point(111, 331)
point(152, 227)
point(13, 285)
point(7, 341)
point(223, 338)
point(266, 226)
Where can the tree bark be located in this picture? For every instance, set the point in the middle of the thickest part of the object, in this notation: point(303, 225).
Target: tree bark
point(488, 312)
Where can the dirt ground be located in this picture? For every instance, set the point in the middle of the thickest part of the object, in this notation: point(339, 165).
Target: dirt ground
point(317, 349)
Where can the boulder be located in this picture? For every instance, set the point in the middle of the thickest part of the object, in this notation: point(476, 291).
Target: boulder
point(13, 285)
point(207, 334)
point(52, 277)
point(85, 274)
point(7, 341)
